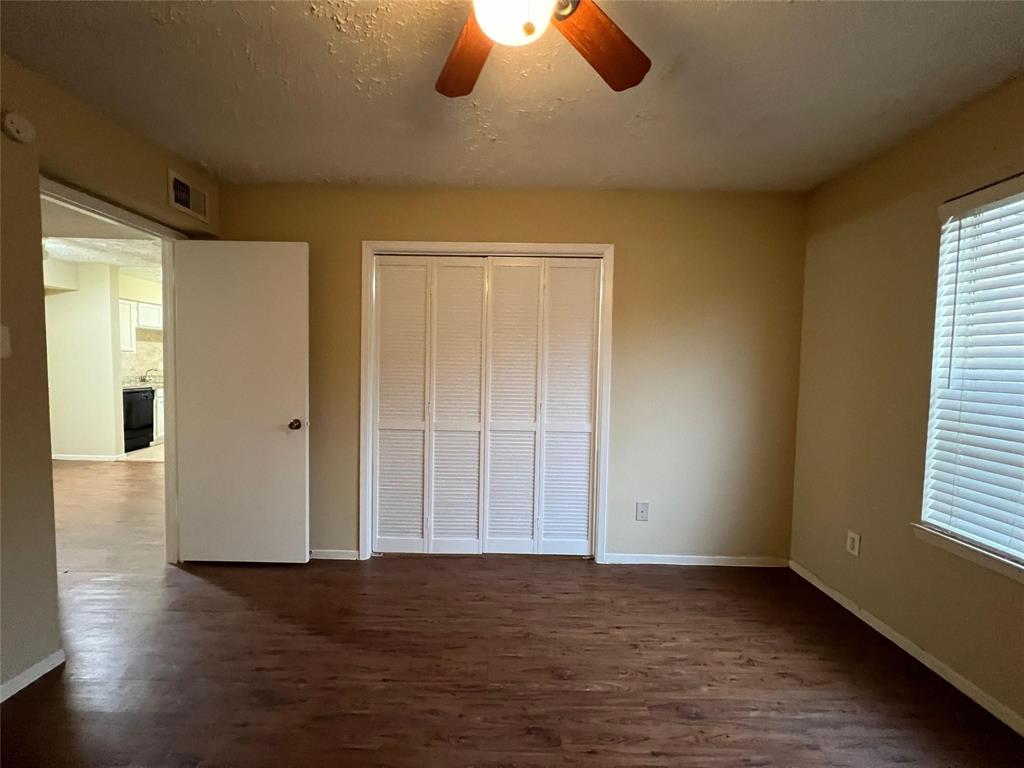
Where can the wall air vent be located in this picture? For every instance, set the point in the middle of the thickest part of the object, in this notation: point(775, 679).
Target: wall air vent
point(185, 196)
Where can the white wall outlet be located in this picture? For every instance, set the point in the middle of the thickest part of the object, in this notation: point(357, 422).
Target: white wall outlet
point(853, 543)
point(643, 511)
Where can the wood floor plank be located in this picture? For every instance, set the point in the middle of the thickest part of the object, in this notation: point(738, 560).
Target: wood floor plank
point(459, 661)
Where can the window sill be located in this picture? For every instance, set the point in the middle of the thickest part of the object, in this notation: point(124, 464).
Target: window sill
point(960, 548)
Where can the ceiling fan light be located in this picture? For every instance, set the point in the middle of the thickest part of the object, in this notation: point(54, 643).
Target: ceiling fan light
point(513, 22)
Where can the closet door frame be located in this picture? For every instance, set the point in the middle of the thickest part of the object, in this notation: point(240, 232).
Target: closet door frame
point(372, 251)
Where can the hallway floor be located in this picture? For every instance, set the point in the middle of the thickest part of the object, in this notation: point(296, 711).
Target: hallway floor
point(459, 661)
point(152, 453)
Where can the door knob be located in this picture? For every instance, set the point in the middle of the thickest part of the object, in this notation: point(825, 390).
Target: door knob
point(295, 424)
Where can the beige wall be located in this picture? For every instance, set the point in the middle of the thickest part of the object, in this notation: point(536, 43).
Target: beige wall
point(81, 147)
point(869, 298)
point(59, 275)
point(76, 144)
point(705, 343)
point(84, 366)
point(136, 289)
point(28, 570)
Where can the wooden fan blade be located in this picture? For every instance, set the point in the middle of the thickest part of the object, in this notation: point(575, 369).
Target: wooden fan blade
point(465, 61)
point(615, 57)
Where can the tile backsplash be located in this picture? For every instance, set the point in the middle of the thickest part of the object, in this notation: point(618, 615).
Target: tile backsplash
point(148, 355)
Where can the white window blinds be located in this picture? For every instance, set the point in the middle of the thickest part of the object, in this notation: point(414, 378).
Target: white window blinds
point(974, 472)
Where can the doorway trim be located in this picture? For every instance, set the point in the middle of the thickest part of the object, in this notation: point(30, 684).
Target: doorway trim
point(367, 396)
point(54, 190)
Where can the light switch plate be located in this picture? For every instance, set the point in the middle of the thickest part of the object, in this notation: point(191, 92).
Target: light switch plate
point(643, 511)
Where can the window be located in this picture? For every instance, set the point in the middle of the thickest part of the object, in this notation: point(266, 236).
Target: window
point(974, 470)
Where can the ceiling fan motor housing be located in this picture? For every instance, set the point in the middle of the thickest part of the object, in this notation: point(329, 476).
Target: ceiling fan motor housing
point(599, 40)
point(565, 8)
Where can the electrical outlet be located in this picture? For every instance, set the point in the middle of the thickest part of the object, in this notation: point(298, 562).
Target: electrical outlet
point(853, 543)
point(643, 511)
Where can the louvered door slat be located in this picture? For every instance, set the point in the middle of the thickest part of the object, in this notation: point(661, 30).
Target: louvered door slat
point(566, 487)
point(400, 491)
point(570, 315)
point(511, 492)
point(515, 304)
point(458, 309)
point(456, 488)
point(403, 342)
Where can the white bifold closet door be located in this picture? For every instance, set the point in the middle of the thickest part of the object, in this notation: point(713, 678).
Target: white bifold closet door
point(430, 331)
point(486, 372)
point(401, 433)
point(513, 404)
point(455, 407)
point(569, 373)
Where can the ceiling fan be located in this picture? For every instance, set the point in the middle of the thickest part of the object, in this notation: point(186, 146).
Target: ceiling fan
point(615, 57)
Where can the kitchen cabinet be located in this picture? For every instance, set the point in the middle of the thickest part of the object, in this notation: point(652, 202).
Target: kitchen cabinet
point(126, 321)
point(150, 316)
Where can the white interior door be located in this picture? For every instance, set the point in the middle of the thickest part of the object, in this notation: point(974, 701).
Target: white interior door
point(242, 400)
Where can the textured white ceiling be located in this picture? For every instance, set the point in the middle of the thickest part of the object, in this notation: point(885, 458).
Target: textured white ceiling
point(138, 258)
point(741, 95)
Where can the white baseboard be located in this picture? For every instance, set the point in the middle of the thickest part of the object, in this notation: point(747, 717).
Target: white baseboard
point(742, 561)
point(334, 554)
point(615, 558)
point(939, 667)
point(31, 674)
point(85, 457)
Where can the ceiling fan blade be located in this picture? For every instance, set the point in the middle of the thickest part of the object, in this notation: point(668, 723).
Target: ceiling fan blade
point(465, 61)
point(615, 57)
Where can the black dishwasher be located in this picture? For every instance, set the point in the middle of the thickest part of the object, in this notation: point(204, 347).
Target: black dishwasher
point(138, 417)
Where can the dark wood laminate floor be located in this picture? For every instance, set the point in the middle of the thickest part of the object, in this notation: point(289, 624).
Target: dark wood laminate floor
point(498, 661)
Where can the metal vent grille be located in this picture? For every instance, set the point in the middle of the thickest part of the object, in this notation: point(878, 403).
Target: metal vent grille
point(186, 197)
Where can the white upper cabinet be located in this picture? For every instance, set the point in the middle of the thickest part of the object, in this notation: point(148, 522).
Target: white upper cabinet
point(150, 316)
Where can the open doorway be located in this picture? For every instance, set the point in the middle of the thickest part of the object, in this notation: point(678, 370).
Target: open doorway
point(108, 378)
